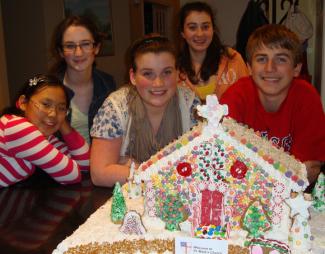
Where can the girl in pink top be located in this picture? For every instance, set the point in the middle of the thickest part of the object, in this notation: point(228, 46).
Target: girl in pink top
point(27, 140)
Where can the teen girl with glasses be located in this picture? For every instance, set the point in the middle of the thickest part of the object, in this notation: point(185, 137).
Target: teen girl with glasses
point(75, 45)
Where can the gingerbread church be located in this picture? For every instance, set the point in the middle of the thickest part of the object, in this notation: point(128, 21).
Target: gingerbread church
point(223, 180)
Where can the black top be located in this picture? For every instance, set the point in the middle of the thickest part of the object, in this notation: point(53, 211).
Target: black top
point(104, 84)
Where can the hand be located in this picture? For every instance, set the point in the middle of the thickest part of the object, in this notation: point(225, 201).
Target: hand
point(127, 161)
point(313, 170)
point(65, 127)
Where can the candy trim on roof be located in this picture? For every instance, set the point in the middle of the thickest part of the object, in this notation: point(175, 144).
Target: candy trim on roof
point(274, 160)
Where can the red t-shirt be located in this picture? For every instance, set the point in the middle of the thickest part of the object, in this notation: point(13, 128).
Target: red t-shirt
point(298, 126)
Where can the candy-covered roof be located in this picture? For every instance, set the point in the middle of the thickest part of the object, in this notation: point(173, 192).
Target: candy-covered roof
point(259, 150)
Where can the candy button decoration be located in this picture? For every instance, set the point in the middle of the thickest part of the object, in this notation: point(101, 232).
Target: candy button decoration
point(238, 170)
point(184, 169)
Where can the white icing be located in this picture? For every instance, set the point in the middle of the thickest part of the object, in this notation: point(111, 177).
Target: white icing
point(99, 228)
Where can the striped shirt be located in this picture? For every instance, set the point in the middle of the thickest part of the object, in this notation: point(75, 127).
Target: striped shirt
point(23, 147)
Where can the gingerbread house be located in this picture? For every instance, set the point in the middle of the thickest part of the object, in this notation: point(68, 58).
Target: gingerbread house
point(223, 180)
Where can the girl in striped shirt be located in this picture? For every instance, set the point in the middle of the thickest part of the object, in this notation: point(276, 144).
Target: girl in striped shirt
point(27, 140)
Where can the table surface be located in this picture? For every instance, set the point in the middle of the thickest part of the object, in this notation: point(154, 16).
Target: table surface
point(37, 214)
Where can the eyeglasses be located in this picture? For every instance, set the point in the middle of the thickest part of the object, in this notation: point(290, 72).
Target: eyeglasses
point(85, 46)
point(47, 108)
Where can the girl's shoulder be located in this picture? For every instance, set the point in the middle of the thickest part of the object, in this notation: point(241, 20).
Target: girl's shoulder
point(232, 54)
point(8, 119)
point(117, 97)
point(16, 125)
point(120, 94)
point(185, 91)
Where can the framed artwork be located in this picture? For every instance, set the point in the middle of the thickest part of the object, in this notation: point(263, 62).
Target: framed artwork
point(100, 12)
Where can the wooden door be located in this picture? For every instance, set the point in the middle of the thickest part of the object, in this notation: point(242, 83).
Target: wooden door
point(159, 16)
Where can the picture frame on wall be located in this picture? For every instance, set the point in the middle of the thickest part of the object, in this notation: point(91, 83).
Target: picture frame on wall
point(100, 12)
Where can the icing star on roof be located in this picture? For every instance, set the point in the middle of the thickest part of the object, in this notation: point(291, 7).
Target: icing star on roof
point(299, 205)
point(212, 111)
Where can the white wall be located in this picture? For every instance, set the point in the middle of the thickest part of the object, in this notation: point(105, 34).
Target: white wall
point(115, 64)
point(28, 28)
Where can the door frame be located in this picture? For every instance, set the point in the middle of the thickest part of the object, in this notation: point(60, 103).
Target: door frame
point(137, 17)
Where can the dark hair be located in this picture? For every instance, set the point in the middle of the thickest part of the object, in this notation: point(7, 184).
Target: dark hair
point(215, 50)
point(60, 65)
point(153, 43)
point(274, 36)
point(31, 87)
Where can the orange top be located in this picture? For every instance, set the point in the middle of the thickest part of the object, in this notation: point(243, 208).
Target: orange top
point(229, 71)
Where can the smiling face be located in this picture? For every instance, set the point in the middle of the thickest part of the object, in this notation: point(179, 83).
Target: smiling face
point(155, 79)
point(273, 69)
point(198, 31)
point(79, 59)
point(45, 109)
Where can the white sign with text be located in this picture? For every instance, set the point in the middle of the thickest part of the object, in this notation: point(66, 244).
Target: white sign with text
point(187, 245)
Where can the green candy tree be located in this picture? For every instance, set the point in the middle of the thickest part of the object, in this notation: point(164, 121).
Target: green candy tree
point(172, 212)
point(118, 209)
point(255, 220)
point(318, 193)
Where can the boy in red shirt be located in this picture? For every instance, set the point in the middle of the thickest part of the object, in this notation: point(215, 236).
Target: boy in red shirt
point(285, 109)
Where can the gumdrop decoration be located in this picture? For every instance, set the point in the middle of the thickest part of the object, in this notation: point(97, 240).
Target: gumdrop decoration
point(300, 234)
point(172, 212)
point(255, 220)
point(211, 232)
point(132, 224)
point(118, 208)
point(184, 169)
point(211, 162)
point(238, 170)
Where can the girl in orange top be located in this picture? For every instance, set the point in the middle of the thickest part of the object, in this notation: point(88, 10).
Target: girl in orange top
point(206, 66)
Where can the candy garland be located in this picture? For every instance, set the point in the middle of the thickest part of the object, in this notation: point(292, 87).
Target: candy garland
point(211, 161)
point(118, 208)
point(273, 247)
